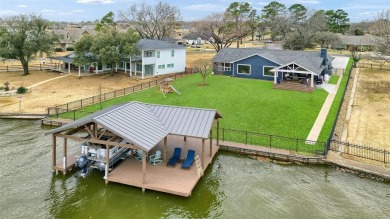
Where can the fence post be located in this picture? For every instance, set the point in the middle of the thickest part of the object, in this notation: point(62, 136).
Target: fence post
point(141, 86)
point(81, 101)
point(40, 66)
point(270, 141)
point(74, 115)
point(246, 137)
point(296, 146)
point(223, 134)
point(384, 156)
point(7, 68)
point(124, 91)
point(149, 83)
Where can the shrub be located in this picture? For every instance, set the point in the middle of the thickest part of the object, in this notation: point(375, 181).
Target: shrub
point(21, 90)
point(58, 50)
point(70, 49)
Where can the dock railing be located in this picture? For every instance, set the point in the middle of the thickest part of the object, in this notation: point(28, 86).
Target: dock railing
point(297, 145)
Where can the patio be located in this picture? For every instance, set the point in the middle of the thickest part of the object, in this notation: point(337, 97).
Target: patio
point(173, 180)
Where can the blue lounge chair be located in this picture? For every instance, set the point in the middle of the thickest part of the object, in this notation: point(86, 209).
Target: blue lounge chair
point(139, 154)
point(175, 157)
point(189, 159)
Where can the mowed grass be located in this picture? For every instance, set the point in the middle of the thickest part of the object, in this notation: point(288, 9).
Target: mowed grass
point(334, 79)
point(245, 104)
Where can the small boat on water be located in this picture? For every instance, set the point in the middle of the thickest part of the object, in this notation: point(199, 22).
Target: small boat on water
point(94, 156)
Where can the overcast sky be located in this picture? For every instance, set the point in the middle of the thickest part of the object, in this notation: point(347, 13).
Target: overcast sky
point(78, 10)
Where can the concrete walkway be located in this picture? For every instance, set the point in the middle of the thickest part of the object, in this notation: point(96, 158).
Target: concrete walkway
point(340, 62)
point(321, 118)
point(381, 171)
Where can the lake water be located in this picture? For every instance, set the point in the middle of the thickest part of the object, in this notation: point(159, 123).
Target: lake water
point(234, 186)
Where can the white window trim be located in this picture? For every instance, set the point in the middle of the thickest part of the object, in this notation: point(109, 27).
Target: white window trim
point(158, 54)
point(222, 66)
point(250, 69)
point(271, 76)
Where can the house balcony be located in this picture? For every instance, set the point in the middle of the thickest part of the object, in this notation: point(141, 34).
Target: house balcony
point(294, 85)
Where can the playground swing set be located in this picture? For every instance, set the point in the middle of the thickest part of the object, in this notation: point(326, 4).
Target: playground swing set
point(166, 87)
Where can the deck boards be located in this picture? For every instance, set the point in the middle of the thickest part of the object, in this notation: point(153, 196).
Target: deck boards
point(71, 159)
point(173, 180)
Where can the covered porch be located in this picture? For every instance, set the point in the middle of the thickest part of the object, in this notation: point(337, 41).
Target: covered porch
point(294, 77)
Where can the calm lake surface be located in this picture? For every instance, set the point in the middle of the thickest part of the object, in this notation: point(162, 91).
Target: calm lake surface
point(234, 186)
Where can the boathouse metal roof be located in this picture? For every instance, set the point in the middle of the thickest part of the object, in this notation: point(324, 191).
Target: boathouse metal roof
point(144, 125)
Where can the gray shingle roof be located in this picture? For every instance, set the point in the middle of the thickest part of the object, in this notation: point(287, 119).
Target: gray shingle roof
point(310, 60)
point(144, 125)
point(146, 44)
point(365, 40)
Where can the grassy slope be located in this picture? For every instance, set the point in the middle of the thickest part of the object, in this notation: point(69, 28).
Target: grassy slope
point(245, 104)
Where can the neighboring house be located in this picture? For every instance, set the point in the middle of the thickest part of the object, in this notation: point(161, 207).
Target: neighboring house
point(155, 58)
point(67, 37)
point(260, 63)
point(362, 43)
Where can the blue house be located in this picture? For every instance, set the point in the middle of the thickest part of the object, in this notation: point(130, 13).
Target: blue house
point(280, 66)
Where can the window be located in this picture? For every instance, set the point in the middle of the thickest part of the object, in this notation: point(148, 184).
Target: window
point(161, 66)
point(267, 72)
point(158, 54)
point(224, 66)
point(138, 67)
point(172, 53)
point(148, 54)
point(243, 69)
point(170, 65)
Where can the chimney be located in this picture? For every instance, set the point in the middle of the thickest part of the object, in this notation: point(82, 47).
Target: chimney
point(324, 54)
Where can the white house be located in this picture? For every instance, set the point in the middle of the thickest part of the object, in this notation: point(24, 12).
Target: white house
point(155, 58)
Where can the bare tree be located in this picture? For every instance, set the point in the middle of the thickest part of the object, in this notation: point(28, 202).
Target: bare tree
point(152, 22)
point(204, 68)
point(381, 29)
point(220, 28)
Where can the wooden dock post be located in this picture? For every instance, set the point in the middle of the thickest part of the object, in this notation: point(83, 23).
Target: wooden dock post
point(107, 163)
point(203, 143)
point(143, 167)
point(54, 152)
point(217, 133)
point(211, 142)
point(165, 148)
point(65, 154)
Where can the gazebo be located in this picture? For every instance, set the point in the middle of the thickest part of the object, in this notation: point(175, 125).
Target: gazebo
point(141, 126)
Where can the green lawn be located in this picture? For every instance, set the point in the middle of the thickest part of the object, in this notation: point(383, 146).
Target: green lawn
point(334, 79)
point(245, 104)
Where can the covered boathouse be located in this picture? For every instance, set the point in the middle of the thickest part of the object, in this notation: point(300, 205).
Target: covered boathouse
point(146, 127)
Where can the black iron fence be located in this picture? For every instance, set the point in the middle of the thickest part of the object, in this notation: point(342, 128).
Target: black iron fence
point(298, 145)
point(74, 105)
point(378, 66)
point(361, 151)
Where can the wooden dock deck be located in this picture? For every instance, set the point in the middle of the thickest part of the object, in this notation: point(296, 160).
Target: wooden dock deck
point(71, 159)
point(173, 180)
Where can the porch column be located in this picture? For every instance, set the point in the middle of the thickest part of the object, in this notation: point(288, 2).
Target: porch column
point(217, 133)
point(96, 70)
point(311, 80)
point(116, 67)
point(275, 77)
point(125, 67)
point(211, 142)
point(131, 73)
point(107, 164)
point(68, 67)
point(143, 168)
point(54, 151)
point(142, 65)
point(65, 154)
point(165, 149)
point(203, 142)
point(79, 71)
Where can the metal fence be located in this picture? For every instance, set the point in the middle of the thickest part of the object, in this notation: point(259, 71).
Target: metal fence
point(74, 105)
point(273, 141)
point(339, 108)
point(378, 66)
point(361, 151)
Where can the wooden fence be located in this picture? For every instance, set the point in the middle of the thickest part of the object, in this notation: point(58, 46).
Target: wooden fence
point(361, 151)
point(373, 66)
point(31, 67)
point(55, 111)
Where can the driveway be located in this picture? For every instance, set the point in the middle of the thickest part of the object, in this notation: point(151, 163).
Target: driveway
point(340, 62)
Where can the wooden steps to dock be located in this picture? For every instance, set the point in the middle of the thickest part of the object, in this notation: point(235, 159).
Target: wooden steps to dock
point(53, 122)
